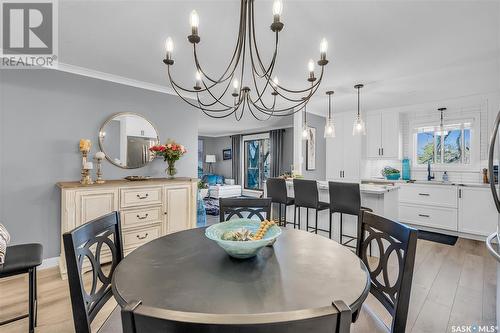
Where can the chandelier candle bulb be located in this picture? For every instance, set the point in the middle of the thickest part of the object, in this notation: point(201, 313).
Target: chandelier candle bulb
point(274, 84)
point(169, 47)
point(198, 81)
point(194, 20)
point(236, 86)
point(277, 10)
point(310, 66)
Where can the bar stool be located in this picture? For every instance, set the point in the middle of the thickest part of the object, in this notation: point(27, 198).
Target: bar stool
point(277, 191)
point(306, 196)
point(345, 198)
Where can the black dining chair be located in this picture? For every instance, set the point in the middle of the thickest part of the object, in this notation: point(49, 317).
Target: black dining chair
point(345, 198)
point(277, 191)
point(24, 259)
point(307, 196)
point(138, 318)
point(89, 241)
point(244, 208)
point(391, 290)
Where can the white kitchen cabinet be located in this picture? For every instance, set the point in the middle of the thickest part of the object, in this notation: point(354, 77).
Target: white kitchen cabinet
point(178, 207)
point(343, 153)
point(477, 211)
point(382, 135)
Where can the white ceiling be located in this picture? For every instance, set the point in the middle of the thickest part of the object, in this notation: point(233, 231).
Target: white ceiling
point(406, 52)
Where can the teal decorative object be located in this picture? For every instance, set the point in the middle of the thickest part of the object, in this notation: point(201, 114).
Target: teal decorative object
point(241, 249)
point(406, 169)
point(393, 176)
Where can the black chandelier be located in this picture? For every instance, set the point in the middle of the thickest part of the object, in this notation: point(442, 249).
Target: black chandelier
point(262, 103)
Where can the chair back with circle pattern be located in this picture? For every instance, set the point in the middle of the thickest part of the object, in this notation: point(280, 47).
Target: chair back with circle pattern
point(391, 273)
point(244, 208)
point(87, 245)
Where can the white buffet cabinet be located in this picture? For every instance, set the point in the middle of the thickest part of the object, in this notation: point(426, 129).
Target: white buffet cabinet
point(148, 209)
point(467, 211)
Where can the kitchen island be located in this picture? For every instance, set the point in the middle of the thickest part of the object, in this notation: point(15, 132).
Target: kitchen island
point(383, 199)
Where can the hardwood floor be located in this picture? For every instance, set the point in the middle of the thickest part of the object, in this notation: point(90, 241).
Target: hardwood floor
point(452, 285)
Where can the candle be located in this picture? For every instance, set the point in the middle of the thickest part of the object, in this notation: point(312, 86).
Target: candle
point(100, 155)
point(85, 145)
point(88, 166)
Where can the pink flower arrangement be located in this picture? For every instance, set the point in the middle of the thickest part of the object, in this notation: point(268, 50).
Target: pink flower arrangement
point(170, 151)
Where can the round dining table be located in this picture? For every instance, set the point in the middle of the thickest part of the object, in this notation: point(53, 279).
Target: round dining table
point(188, 273)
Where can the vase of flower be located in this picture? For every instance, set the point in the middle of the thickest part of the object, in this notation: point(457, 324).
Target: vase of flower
point(171, 152)
point(171, 170)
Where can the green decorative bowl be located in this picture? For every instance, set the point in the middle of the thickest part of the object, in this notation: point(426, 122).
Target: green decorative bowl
point(239, 249)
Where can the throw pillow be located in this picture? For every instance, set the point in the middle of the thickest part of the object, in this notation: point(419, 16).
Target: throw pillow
point(4, 240)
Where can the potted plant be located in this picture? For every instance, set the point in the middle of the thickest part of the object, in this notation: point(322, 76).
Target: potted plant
point(390, 173)
point(171, 152)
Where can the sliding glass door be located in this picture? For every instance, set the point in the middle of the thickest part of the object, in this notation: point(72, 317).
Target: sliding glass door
point(257, 163)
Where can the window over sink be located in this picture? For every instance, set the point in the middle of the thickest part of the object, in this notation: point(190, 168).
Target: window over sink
point(451, 145)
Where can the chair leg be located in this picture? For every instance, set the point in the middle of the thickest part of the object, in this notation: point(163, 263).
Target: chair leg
point(316, 224)
point(307, 219)
point(284, 222)
point(300, 218)
point(35, 286)
point(330, 227)
point(31, 310)
point(340, 229)
point(294, 217)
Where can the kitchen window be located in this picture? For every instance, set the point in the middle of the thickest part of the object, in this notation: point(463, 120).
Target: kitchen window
point(450, 145)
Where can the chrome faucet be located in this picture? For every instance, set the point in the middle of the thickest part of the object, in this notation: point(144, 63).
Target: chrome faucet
point(429, 177)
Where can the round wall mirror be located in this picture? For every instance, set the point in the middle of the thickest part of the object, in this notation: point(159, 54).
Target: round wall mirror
point(125, 138)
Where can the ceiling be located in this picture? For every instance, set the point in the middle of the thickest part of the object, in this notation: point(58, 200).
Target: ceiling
point(406, 52)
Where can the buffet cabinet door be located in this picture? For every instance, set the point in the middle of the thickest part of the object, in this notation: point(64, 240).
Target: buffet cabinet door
point(178, 204)
point(93, 204)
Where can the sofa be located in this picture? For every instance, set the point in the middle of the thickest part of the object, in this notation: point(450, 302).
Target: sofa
point(218, 187)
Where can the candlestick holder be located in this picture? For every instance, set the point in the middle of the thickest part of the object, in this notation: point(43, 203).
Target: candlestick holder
point(98, 157)
point(86, 178)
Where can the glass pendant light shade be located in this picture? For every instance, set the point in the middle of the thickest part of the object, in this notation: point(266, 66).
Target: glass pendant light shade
point(329, 125)
point(359, 127)
point(329, 128)
point(305, 132)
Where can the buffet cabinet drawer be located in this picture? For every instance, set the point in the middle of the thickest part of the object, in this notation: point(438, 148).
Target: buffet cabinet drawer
point(139, 237)
point(132, 197)
point(435, 195)
point(436, 217)
point(142, 216)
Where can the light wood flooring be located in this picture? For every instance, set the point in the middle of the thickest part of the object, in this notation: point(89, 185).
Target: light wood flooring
point(452, 285)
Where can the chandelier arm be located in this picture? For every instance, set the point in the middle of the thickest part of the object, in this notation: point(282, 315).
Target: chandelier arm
point(236, 52)
point(175, 87)
point(207, 112)
point(217, 99)
point(273, 113)
point(270, 114)
point(252, 38)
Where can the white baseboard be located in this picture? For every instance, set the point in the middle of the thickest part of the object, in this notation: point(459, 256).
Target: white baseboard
point(49, 263)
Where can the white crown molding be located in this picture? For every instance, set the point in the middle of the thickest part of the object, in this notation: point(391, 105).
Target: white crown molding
point(83, 71)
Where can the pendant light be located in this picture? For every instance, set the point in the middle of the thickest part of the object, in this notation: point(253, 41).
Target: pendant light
point(441, 122)
point(359, 125)
point(329, 126)
point(305, 128)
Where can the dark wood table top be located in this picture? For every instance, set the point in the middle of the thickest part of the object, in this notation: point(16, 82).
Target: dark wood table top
point(187, 273)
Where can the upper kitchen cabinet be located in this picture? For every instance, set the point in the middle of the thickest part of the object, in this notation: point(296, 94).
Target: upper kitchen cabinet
point(382, 135)
point(343, 153)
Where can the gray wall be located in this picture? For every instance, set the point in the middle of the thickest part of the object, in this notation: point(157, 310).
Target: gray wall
point(214, 146)
point(44, 113)
point(320, 173)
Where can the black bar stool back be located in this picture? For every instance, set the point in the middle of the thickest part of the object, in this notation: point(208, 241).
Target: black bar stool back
point(24, 259)
point(345, 198)
point(306, 196)
point(277, 191)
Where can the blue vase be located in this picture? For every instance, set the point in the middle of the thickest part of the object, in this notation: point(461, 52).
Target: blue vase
point(406, 169)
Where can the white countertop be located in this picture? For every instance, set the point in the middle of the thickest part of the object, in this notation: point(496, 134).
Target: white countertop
point(364, 188)
point(378, 181)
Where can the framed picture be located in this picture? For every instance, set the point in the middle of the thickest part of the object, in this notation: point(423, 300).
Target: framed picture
point(311, 149)
point(227, 154)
